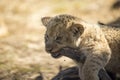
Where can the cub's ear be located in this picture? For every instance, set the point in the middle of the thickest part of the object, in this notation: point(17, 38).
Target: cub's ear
point(45, 20)
point(76, 29)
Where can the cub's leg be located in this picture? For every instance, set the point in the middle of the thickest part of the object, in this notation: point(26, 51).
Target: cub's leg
point(92, 66)
point(76, 55)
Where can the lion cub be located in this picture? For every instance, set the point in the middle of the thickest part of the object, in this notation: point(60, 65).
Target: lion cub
point(100, 45)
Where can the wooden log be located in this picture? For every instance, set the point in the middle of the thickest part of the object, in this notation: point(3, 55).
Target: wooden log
point(72, 74)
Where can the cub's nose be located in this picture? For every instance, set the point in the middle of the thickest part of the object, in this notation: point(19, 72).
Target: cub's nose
point(49, 49)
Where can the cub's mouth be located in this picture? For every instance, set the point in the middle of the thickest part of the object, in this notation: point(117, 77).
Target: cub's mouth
point(66, 51)
point(62, 52)
point(56, 55)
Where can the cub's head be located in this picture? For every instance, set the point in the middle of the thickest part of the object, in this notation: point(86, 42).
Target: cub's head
point(61, 31)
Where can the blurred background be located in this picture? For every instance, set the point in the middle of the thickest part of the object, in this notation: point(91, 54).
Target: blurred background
point(22, 53)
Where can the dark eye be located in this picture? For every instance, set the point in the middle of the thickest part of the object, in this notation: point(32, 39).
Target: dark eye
point(58, 39)
point(46, 38)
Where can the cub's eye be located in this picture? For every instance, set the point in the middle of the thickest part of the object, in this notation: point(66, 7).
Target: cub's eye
point(58, 39)
point(46, 37)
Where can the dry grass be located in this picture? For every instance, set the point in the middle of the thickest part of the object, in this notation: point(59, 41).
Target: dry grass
point(22, 55)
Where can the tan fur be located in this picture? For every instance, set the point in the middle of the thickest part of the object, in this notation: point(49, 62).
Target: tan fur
point(95, 42)
point(112, 35)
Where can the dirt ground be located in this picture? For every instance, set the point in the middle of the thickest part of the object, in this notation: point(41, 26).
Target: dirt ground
point(22, 54)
